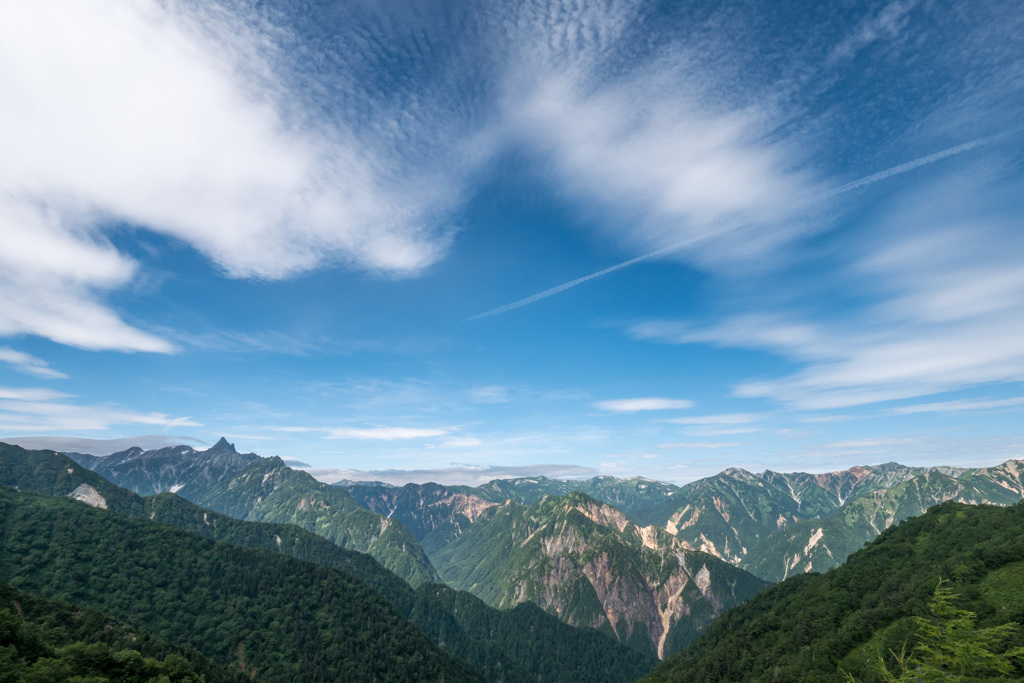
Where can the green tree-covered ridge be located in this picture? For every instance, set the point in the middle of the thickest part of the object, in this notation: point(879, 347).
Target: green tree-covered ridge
point(951, 647)
point(584, 561)
point(45, 641)
point(772, 524)
point(524, 644)
point(280, 618)
point(266, 490)
point(815, 627)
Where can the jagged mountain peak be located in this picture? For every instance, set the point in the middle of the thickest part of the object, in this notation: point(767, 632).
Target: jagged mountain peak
point(222, 445)
point(888, 467)
point(737, 473)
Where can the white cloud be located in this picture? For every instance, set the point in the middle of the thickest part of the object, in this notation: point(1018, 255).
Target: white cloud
point(701, 444)
point(175, 118)
point(957, 406)
point(29, 364)
point(453, 476)
point(385, 433)
point(652, 138)
point(378, 433)
point(633, 405)
point(41, 410)
point(28, 394)
point(944, 269)
point(886, 25)
point(722, 419)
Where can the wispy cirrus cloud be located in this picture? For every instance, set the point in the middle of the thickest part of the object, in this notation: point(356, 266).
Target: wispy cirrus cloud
point(634, 405)
point(42, 410)
point(189, 120)
point(385, 433)
point(455, 475)
point(947, 310)
point(958, 406)
point(646, 130)
point(29, 364)
point(374, 433)
point(886, 24)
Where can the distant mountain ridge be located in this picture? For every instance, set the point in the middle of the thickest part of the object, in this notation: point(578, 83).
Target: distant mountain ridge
point(167, 469)
point(773, 524)
point(821, 627)
point(777, 524)
point(512, 646)
point(250, 487)
point(577, 557)
point(586, 562)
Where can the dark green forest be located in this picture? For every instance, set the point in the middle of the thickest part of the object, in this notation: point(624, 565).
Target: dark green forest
point(271, 615)
point(44, 641)
point(523, 644)
point(159, 589)
point(815, 627)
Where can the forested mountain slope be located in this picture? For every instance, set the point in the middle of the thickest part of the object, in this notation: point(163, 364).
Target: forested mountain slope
point(42, 640)
point(772, 524)
point(628, 495)
point(270, 614)
point(780, 524)
point(584, 561)
point(266, 490)
point(517, 645)
point(812, 627)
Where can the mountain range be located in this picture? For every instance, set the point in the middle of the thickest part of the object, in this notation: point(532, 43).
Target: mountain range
point(771, 524)
point(876, 610)
point(645, 563)
point(246, 486)
point(86, 525)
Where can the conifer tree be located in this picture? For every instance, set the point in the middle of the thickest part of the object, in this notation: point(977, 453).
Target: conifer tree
point(952, 649)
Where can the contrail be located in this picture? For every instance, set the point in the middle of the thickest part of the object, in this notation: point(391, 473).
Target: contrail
point(909, 166)
point(561, 288)
point(867, 180)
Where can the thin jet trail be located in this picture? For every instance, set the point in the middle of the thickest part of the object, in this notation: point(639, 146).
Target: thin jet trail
point(866, 180)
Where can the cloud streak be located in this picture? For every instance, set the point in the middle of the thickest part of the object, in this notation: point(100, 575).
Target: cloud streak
point(42, 410)
point(943, 267)
point(193, 122)
point(848, 187)
point(376, 433)
point(29, 364)
point(633, 405)
point(453, 476)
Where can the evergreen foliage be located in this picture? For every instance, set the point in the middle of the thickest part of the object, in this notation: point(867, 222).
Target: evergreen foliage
point(813, 627)
point(266, 613)
point(518, 645)
point(951, 648)
point(48, 641)
point(554, 554)
point(266, 490)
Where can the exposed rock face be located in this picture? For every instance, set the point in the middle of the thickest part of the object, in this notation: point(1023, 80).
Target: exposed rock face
point(249, 487)
point(168, 469)
point(776, 525)
point(587, 563)
point(88, 495)
point(435, 514)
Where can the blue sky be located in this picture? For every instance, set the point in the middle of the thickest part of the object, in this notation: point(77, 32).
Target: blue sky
point(342, 233)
